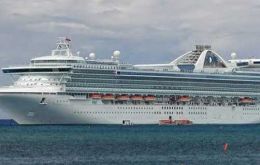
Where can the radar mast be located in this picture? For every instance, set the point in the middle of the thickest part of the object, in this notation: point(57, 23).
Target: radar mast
point(63, 47)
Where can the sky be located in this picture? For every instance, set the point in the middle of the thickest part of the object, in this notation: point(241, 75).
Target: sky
point(145, 31)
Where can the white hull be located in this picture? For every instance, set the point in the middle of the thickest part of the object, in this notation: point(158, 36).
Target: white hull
point(62, 109)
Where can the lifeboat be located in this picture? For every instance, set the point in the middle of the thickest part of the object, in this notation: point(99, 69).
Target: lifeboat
point(175, 122)
point(149, 98)
point(123, 97)
point(246, 100)
point(137, 98)
point(184, 99)
point(95, 96)
point(182, 122)
point(108, 97)
point(166, 122)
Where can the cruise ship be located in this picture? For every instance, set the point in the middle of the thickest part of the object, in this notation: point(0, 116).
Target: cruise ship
point(199, 87)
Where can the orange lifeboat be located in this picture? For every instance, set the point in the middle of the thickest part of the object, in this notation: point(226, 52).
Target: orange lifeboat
point(166, 122)
point(150, 98)
point(175, 122)
point(246, 100)
point(184, 99)
point(108, 97)
point(137, 98)
point(123, 98)
point(95, 96)
point(182, 122)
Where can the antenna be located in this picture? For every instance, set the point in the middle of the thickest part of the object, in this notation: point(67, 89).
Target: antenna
point(63, 47)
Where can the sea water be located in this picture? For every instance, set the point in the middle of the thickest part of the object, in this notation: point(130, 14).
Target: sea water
point(137, 144)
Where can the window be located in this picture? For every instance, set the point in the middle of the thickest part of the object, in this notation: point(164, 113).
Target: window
point(213, 61)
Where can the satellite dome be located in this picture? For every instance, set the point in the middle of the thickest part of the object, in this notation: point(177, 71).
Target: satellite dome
point(233, 55)
point(92, 56)
point(116, 53)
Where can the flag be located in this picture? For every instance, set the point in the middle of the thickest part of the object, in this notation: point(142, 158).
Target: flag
point(67, 39)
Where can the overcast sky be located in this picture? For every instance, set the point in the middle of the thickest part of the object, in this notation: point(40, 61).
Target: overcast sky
point(145, 31)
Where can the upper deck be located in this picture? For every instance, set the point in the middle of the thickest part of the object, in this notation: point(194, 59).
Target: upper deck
point(200, 71)
point(202, 59)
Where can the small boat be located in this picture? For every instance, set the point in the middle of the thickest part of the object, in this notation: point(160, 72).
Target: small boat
point(127, 122)
point(108, 97)
point(137, 98)
point(165, 122)
point(184, 99)
point(175, 122)
point(43, 101)
point(149, 98)
point(123, 97)
point(182, 122)
point(95, 96)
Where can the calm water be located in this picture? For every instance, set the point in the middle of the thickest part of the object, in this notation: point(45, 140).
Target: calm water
point(100, 144)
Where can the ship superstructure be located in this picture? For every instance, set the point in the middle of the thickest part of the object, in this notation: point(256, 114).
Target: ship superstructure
point(63, 88)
